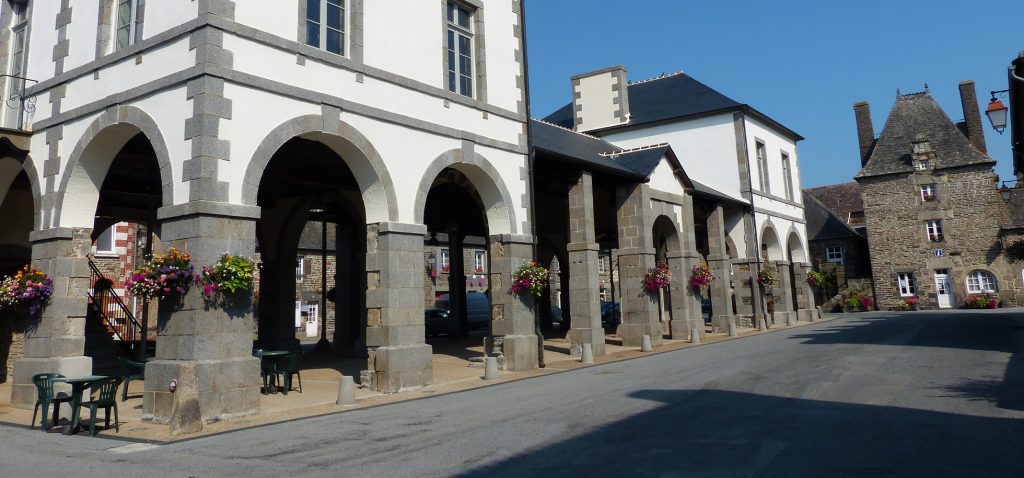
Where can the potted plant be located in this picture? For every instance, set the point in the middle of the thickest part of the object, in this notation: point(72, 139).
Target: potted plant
point(852, 303)
point(867, 302)
point(700, 276)
point(231, 274)
point(30, 288)
point(815, 278)
point(907, 303)
point(657, 278)
point(767, 278)
point(529, 279)
point(162, 276)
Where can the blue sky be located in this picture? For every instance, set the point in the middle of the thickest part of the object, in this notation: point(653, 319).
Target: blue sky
point(803, 63)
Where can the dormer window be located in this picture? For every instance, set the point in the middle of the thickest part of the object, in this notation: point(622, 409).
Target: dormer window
point(924, 164)
point(928, 192)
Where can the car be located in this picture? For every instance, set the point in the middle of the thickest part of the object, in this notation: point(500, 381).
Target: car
point(436, 321)
point(610, 314)
point(705, 310)
point(556, 315)
point(478, 309)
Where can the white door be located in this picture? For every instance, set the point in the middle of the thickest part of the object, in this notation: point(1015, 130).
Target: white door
point(943, 289)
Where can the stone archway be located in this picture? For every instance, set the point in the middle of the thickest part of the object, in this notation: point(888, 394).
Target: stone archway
point(494, 195)
point(679, 299)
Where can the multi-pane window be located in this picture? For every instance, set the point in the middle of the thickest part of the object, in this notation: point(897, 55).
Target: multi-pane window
point(762, 166)
point(834, 254)
point(325, 25)
point(787, 176)
point(979, 282)
point(105, 243)
point(128, 26)
point(905, 280)
point(927, 192)
point(460, 48)
point(18, 44)
point(924, 164)
point(602, 266)
point(478, 261)
point(300, 268)
point(934, 229)
point(446, 263)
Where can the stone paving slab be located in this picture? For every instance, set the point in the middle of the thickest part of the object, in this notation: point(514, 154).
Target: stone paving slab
point(321, 377)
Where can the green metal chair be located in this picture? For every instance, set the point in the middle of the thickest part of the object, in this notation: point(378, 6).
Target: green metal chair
point(131, 370)
point(46, 399)
point(290, 370)
point(105, 397)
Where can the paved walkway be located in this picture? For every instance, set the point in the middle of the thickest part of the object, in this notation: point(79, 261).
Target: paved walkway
point(321, 376)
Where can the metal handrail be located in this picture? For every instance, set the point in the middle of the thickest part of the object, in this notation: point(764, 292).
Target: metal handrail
point(112, 309)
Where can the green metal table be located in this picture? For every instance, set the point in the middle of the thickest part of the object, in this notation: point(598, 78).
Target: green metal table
point(78, 386)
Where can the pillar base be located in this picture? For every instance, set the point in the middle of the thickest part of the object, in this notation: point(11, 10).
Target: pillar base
point(519, 352)
point(807, 315)
point(633, 334)
point(788, 317)
point(23, 391)
point(393, 369)
point(681, 329)
point(226, 388)
point(720, 323)
point(578, 337)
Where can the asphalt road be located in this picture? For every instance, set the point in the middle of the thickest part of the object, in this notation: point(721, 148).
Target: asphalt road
point(919, 394)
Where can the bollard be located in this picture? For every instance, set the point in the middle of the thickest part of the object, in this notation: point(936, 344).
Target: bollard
point(732, 330)
point(789, 320)
point(645, 344)
point(491, 368)
point(346, 391)
point(695, 336)
point(588, 353)
point(761, 324)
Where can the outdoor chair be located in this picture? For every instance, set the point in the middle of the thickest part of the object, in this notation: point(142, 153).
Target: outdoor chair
point(105, 397)
point(46, 399)
point(131, 370)
point(289, 370)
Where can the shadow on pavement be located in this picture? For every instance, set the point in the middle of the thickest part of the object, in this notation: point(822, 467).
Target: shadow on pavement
point(724, 433)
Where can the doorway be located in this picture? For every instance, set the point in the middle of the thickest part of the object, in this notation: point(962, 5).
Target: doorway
point(943, 289)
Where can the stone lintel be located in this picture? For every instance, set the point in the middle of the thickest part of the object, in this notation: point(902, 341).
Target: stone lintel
point(513, 238)
point(582, 246)
point(208, 208)
point(403, 228)
point(56, 233)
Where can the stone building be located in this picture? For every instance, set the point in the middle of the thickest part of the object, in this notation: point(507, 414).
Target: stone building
point(837, 234)
point(935, 220)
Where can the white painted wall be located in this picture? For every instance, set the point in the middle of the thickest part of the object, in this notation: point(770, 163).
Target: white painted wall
point(163, 15)
point(706, 147)
point(283, 23)
point(42, 38)
point(405, 37)
point(775, 145)
point(83, 32)
point(597, 95)
point(663, 179)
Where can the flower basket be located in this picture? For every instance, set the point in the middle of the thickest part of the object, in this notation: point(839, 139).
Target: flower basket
point(815, 278)
point(981, 301)
point(529, 278)
point(908, 303)
point(162, 277)
point(767, 278)
point(866, 302)
point(700, 276)
point(30, 288)
point(230, 275)
point(935, 238)
point(657, 278)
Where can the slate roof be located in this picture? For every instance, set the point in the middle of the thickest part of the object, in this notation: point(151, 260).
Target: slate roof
point(700, 189)
point(578, 147)
point(671, 97)
point(841, 199)
point(915, 114)
point(823, 224)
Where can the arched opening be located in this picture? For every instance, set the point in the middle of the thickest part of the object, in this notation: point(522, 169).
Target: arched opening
point(796, 256)
point(16, 209)
point(666, 240)
point(771, 248)
point(311, 240)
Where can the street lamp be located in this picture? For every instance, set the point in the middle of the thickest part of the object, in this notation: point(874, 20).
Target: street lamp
point(996, 113)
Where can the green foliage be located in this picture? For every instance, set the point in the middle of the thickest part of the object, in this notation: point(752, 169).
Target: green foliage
point(230, 275)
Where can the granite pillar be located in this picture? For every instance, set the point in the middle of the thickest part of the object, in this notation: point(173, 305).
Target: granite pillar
point(55, 339)
point(690, 300)
point(785, 312)
point(721, 267)
point(398, 358)
point(749, 302)
point(636, 258)
point(806, 308)
point(584, 281)
point(513, 338)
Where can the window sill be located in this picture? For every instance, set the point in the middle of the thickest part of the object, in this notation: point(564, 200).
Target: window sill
point(106, 255)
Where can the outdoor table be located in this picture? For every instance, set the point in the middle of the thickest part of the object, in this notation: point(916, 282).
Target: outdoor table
point(272, 357)
point(78, 386)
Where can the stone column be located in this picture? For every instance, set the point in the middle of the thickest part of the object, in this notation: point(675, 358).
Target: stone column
point(783, 292)
point(55, 340)
point(398, 357)
point(748, 294)
point(636, 257)
point(718, 261)
point(687, 298)
point(806, 308)
point(207, 343)
point(513, 316)
point(584, 280)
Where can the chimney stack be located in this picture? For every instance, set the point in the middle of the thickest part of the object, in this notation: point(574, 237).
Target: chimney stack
point(865, 131)
point(600, 99)
point(972, 115)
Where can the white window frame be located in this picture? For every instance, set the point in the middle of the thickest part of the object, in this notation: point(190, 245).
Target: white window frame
point(787, 175)
point(300, 269)
point(928, 191)
point(479, 262)
point(602, 267)
point(446, 261)
point(133, 26)
point(456, 80)
point(323, 28)
point(762, 166)
point(19, 45)
point(924, 164)
point(981, 282)
point(107, 238)
point(834, 254)
point(933, 228)
point(905, 284)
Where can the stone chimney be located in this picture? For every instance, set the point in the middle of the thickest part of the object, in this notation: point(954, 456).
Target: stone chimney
point(865, 131)
point(972, 115)
point(600, 99)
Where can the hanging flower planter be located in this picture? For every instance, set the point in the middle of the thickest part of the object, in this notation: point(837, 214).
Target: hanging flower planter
point(815, 278)
point(767, 278)
point(229, 276)
point(659, 277)
point(162, 277)
point(700, 276)
point(30, 288)
point(529, 278)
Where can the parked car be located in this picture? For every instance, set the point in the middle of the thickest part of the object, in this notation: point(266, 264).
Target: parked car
point(478, 309)
point(556, 315)
point(436, 321)
point(611, 314)
point(705, 310)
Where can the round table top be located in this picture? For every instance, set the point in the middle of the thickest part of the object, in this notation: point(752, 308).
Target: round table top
point(82, 379)
point(274, 353)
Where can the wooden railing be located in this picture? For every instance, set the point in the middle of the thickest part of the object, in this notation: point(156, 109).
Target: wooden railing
point(112, 309)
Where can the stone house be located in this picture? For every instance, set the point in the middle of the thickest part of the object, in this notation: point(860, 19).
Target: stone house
point(935, 219)
point(837, 233)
